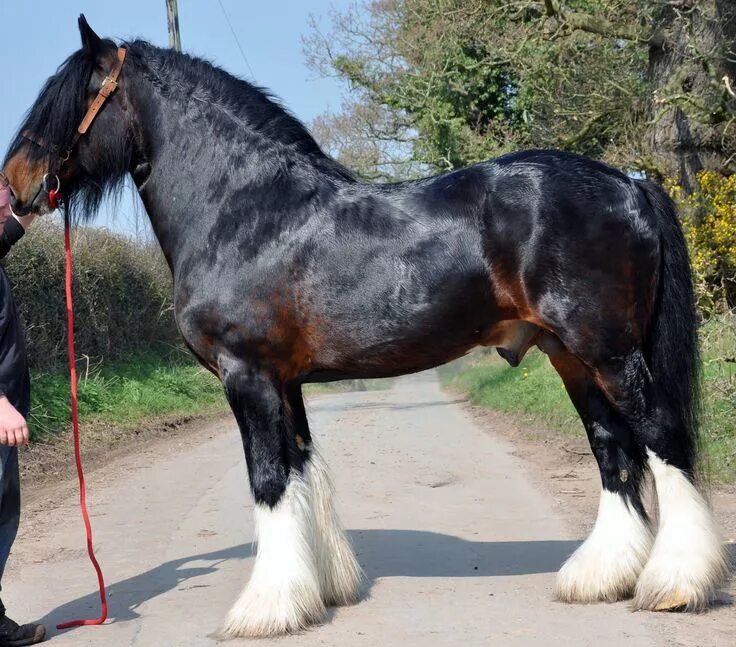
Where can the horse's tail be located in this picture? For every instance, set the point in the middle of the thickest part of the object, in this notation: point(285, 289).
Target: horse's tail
point(672, 345)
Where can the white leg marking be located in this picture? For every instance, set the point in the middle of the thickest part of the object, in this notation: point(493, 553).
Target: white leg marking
point(339, 572)
point(688, 561)
point(283, 594)
point(606, 566)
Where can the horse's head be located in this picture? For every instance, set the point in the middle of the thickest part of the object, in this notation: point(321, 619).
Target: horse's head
point(51, 153)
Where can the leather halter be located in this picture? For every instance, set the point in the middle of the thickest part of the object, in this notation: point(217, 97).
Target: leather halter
point(51, 183)
point(109, 85)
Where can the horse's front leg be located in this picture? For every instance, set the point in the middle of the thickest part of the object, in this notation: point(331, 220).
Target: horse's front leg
point(283, 594)
point(338, 571)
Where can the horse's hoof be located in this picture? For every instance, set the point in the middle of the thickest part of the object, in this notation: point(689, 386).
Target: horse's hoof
point(676, 602)
point(590, 576)
point(246, 621)
point(667, 601)
point(664, 586)
point(580, 583)
point(652, 594)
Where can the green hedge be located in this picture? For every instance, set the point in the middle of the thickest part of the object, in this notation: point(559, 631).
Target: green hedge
point(122, 395)
point(122, 292)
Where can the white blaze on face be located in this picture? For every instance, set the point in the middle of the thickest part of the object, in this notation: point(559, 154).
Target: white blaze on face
point(688, 562)
point(606, 566)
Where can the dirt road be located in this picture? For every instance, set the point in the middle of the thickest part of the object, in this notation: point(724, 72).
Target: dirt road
point(458, 547)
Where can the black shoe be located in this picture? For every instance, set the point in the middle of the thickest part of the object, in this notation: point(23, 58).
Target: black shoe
point(14, 635)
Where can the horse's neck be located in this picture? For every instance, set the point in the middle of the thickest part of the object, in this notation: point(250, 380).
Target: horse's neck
point(195, 178)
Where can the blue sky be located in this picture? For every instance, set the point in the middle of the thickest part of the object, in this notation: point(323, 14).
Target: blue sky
point(36, 36)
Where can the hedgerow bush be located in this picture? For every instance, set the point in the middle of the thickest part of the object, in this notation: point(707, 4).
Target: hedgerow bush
point(709, 221)
point(122, 292)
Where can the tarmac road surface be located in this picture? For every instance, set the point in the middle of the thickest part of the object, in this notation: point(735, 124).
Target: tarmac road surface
point(457, 545)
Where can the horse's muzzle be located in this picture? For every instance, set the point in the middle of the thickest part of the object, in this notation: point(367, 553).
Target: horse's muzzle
point(38, 205)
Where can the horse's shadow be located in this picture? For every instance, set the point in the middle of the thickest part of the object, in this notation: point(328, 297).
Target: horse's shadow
point(381, 553)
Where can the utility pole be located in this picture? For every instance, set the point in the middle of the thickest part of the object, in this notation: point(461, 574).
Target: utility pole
point(172, 13)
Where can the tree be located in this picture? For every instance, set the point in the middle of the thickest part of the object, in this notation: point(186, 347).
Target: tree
point(641, 84)
point(691, 114)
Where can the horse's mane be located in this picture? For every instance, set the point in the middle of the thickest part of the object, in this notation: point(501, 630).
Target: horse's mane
point(61, 105)
point(189, 77)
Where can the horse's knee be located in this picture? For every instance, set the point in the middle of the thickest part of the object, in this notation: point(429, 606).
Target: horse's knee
point(257, 403)
point(655, 422)
point(268, 481)
point(620, 459)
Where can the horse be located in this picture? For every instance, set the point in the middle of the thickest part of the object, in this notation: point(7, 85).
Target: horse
point(288, 269)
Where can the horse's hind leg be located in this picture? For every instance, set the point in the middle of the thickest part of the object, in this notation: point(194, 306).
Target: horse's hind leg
point(337, 569)
point(606, 566)
point(687, 563)
point(283, 594)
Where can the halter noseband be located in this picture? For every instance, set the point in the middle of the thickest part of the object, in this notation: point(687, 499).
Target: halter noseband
point(51, 183)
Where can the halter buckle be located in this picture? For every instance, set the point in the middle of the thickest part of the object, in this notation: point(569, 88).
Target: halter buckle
point(49, 188)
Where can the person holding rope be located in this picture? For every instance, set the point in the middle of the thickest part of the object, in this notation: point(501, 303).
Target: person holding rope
point(15, 394)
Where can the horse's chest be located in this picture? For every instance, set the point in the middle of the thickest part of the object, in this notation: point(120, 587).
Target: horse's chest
point(267, 329)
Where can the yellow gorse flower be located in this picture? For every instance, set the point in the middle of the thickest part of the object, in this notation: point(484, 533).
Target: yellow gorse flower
point(709, 223)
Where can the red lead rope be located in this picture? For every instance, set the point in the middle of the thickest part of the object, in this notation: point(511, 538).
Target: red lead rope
point(75, 428)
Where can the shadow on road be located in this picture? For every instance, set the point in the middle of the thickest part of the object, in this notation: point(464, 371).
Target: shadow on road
point(126, 596)
point(417, 553)
point(382, 553)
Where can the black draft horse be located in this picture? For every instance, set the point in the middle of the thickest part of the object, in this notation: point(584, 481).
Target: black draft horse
point(287, 270)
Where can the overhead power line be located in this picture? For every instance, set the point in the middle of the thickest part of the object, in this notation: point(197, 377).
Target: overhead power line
point(237, 41)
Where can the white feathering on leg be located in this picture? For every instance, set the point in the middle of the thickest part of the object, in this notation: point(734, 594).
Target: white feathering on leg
point(606, 566)
point(283, 594)
point(688, 562)
point(338, 570)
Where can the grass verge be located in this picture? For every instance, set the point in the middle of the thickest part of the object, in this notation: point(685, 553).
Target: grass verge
point(534, 390)
point(125, 394)
point(348, 386)
point(147, 386)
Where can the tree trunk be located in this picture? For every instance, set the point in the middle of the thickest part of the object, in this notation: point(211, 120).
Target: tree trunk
point(688, 107)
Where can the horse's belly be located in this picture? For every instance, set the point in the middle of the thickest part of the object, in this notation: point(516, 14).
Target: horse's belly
point(402, 335)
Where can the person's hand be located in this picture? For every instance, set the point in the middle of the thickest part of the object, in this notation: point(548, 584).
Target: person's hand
point(6, 211)
point(4, 201)
point(13, 426)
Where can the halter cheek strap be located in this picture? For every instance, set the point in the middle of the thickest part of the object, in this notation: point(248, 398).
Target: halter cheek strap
point(109, 85)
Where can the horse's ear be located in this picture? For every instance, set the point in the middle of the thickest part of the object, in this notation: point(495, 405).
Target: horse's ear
point(91, 42)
